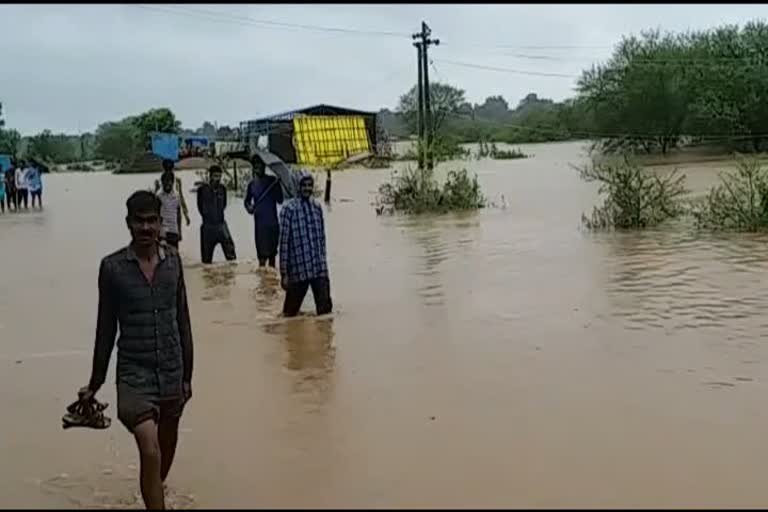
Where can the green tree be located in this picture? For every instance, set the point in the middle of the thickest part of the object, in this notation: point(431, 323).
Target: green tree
point(207, 130)
point(445, 100)
point(155, 120)
point(10, 142)
point(730, 93)
point(641, 98)
point(49, 147)
point(118, 141)
point(494, 107)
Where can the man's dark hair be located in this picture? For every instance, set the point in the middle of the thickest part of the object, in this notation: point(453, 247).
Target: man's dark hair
point(167, 164)
point(215, 169)
point(166, 177)
point(142, 201)
point(256, 161)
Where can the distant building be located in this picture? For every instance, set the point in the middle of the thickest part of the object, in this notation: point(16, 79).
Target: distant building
point(313, 136)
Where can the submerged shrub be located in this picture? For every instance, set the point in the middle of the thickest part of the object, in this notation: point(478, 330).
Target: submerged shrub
point(739, 202)
point(417, 191)
point(633, 197)
point(501, 154)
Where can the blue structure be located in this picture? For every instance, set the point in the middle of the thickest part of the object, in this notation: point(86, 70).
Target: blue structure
point(5, 162)
point(166, 145)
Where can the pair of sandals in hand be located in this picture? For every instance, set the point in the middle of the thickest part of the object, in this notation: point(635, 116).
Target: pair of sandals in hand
point(87, 413)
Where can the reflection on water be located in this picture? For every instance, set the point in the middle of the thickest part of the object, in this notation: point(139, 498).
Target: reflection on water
point(492, 359)
point(679, 280)
point(310, 353)
point(267, 294)
point(439, 240)
point(218, 281)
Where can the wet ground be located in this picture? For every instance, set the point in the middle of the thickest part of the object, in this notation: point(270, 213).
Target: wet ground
point(497, 359)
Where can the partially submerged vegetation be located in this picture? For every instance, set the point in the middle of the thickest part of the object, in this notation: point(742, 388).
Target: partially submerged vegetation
point(633, 198)
point(416, 191)
point(490, 150)
point(739, 202)
point(636, 198)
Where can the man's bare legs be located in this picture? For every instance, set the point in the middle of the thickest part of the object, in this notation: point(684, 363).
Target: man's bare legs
point(150, 461)
point(168, 435)
point(157, 448)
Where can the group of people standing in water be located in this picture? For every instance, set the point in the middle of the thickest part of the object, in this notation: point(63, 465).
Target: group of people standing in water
point(297, 234)
point(21, 181)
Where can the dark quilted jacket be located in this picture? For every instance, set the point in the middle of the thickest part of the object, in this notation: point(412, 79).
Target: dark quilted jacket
point(155, 345)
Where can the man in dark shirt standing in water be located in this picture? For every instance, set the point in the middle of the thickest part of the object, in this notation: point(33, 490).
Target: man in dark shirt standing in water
point(141, 289)
point(211, 203)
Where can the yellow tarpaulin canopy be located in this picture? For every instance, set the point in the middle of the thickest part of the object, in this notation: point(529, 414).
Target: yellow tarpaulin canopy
point(329, 140)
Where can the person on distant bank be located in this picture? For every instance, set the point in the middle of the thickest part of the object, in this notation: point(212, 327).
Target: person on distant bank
point(10, 186)
point(35, 183)
point(22, 193)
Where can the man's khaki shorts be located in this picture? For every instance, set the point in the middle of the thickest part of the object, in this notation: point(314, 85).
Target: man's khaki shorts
point(134, 408)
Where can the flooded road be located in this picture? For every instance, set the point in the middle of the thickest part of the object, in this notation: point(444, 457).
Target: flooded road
point(498, 359)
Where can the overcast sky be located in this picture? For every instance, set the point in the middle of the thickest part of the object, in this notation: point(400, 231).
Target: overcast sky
point(70, 67)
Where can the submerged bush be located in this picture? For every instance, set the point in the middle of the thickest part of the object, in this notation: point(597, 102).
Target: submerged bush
point(739, 202)
point(501, 154)
point(486, 150)
point(633, 197)
point(417, 191)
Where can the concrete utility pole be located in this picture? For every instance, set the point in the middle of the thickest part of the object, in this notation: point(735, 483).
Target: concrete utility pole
point(429, 136)
point(420, 113)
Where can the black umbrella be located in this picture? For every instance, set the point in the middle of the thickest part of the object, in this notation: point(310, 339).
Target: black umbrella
point(281, 170)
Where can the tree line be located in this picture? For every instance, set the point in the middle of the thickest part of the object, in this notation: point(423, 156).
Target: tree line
point(660, 90)
point(113, 141)
point(657, 91)
point(533, 119)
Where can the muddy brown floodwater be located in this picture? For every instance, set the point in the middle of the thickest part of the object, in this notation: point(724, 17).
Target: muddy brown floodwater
point(497, 359)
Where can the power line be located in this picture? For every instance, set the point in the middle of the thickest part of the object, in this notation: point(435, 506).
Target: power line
point(744, 60)
point(747, 59)
point(533, 47)
point(506, 70)
point(218, 16)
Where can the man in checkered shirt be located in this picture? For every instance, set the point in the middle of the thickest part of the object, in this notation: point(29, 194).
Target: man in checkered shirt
point(303, 261)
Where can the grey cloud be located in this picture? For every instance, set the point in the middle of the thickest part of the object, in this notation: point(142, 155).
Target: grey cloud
point(73, 66)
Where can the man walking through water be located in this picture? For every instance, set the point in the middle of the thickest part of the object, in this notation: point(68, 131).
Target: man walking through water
point(170, 211)
point(142, 290)
point(261, 200)
point(168, 166)
point(303, 261)
point(211, 203)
